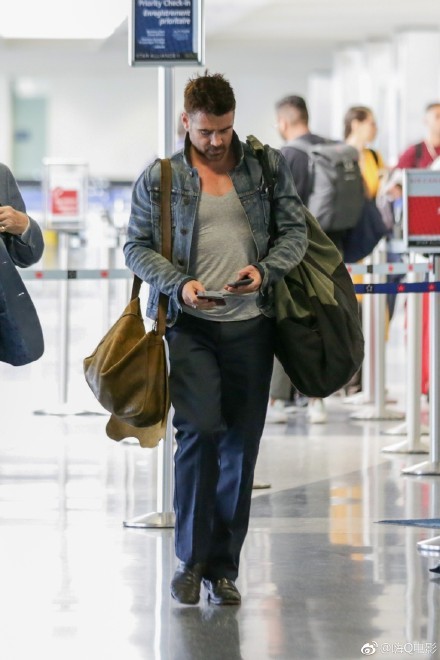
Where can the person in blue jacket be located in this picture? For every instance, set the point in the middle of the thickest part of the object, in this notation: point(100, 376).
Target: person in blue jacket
point(22, 236)
point(221, 350)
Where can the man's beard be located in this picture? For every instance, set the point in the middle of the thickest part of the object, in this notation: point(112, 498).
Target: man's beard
point(212, 153)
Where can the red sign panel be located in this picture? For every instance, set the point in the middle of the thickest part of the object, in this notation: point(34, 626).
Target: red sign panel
point(424, 216)
point(421, 210)
point(65, 202)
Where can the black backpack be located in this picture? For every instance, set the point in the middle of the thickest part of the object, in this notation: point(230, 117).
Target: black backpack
point(336, 194)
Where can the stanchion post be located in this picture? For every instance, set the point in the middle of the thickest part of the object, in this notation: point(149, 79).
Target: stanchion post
point(378, 410)
point(370, 348)
point(63, 374)
point(366, 395)
point(412, 427)
point(165, 486)
point(63, 408)
point(379, 343)
point(432, 467)
point(106, 262)
point(434, 373)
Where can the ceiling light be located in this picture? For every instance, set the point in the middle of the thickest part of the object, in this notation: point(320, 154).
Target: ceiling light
point(57, 19)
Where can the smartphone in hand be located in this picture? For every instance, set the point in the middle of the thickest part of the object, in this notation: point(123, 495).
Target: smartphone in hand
point(244, 282)
point(212, 296)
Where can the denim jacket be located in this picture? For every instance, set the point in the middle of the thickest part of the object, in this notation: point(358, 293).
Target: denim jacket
point(143, 246)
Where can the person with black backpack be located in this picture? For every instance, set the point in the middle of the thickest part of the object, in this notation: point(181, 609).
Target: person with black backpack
point(326, 172)
point(293, 124)
point(329, 180)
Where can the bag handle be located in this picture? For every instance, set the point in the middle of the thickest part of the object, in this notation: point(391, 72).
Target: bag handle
point(268, 176)
point(165, 225)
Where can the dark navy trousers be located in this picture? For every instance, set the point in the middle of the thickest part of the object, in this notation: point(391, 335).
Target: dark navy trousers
point(219, 381)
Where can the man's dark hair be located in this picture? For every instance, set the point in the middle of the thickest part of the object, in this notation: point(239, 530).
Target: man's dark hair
point(431, 106)
point(211, 94)
point(296, 103)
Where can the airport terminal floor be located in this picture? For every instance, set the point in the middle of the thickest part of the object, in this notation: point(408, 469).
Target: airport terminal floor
point(320, 578)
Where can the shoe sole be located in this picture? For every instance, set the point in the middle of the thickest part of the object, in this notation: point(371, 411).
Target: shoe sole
point(214, 601)
point(183, 602)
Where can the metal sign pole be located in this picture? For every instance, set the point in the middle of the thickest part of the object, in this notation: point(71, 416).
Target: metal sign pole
point(164, 516)
point(167, 46)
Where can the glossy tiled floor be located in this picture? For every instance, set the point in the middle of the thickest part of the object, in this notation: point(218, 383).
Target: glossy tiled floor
point(319, 578)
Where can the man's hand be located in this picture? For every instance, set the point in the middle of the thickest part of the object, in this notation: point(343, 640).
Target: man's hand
point(248, 271)
point(189, 296)
point(12, 221)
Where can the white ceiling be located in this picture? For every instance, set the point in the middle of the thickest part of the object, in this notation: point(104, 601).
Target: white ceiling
point(337, 21)
point(327, 22)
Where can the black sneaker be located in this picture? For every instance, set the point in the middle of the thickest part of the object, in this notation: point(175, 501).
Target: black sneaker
point(222, 592)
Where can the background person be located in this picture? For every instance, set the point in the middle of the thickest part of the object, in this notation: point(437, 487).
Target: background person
point(221, 357)
point(21, 235)
point(21, 244)
point(424, 154)
point(360, 130)
point(292, 119)
point(293, 123)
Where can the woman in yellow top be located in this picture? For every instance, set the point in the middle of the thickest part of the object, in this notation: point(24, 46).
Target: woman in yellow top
point(360, 130)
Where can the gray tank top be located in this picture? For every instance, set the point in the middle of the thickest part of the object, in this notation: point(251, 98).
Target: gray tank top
point(222, 245)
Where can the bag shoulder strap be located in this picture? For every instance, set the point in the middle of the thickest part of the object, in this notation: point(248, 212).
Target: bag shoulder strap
point(165, 206)
point(269, 179)
point(165, 226)
point(165, 222)
point(260, 152)
point(375, 156)
point(418, 153)
point(301, 145)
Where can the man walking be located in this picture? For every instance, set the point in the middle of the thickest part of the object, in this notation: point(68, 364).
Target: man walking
point(221, 355)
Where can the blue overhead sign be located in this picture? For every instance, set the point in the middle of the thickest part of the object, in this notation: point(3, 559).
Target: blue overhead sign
point(166, 32)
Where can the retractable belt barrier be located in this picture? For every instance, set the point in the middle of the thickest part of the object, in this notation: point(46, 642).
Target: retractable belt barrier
point(389, 269)
point(415, 271)
point(395, 287)
point(83, 274)
point(124, 273)
point(354, 269)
